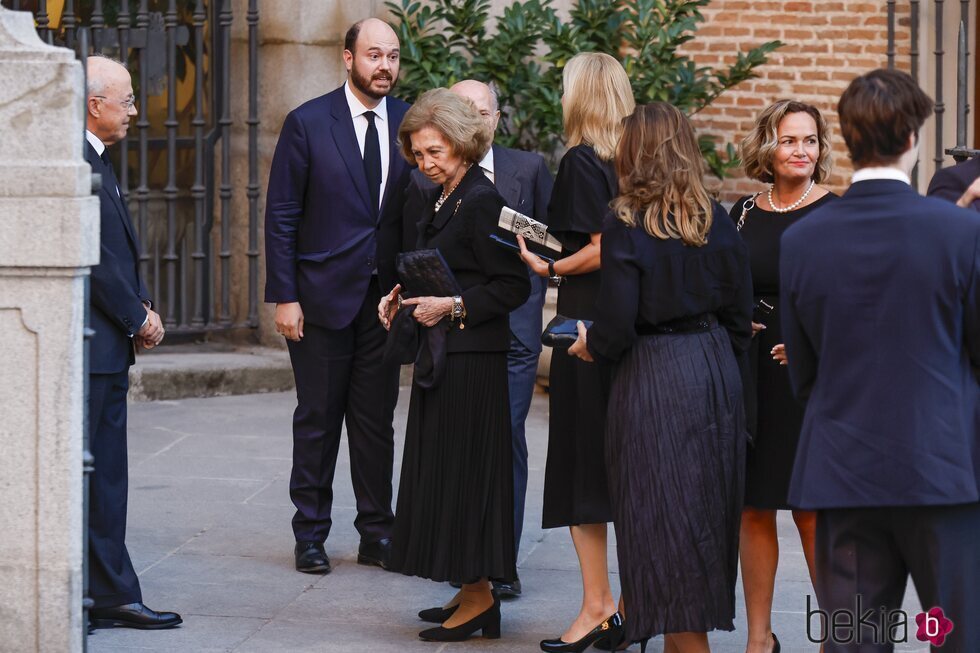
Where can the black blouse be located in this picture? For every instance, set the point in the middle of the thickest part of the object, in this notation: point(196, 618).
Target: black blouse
point(649, 281)
point(584, 186)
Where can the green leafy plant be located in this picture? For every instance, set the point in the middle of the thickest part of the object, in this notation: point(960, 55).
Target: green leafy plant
point(444, 41)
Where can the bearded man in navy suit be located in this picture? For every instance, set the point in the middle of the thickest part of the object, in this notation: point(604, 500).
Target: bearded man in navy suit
point(881, 302)
point(335, 187)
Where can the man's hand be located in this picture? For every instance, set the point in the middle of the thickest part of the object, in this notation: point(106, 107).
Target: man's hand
point(289, 321)
point(429, 310)
point(388, 306)
point(579, 348)
point(779, 354)
point(970, 194)
point(152, 332)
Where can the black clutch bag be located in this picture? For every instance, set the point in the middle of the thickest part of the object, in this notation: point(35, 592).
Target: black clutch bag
point(425, 273)
point(562, 332)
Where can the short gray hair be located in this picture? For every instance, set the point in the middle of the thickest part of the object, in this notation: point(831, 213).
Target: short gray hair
point(94, 85)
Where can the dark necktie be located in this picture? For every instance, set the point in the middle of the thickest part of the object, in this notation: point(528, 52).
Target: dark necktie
point(110, 182)
point(372, 159)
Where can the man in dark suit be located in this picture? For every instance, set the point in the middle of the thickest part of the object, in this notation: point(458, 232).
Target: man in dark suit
point(122, 319)
point(335, 186)
point(523, 180)
point(881, 298)
point(959, 184)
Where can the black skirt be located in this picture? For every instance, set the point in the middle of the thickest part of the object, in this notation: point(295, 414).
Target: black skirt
point(575, 487)
point(675, 447)
point(778, 419)
point(455, 513)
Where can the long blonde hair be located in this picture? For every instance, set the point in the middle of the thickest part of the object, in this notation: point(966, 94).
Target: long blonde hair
point(660, 171)
point(597, 97)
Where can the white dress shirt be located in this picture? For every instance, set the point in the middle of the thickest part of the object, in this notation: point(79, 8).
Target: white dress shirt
point(357, 111)
point(486, 164)
point(882, 172)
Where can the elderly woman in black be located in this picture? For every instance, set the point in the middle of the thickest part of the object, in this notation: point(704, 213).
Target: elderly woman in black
point(454, 519)
point(674, 308)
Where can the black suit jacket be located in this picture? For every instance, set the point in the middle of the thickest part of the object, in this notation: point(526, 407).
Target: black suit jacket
point(950, 183)
point(117, 291)
point(323, 238)
point(880, 301)
point(524, 181)
point(494, 281)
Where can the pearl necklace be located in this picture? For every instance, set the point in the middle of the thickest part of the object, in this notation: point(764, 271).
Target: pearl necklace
point(792, 206)
point(445, 195)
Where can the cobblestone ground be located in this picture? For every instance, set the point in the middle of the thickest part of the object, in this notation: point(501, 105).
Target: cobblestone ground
point(209, 534)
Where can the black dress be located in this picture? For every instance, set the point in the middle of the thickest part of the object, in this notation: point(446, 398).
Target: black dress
point(455, 513)
point(672, 318)
point(774, 415)
point(575, 487)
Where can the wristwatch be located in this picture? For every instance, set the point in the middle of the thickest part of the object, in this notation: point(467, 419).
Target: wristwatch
point(459, 311)
point(552, 274)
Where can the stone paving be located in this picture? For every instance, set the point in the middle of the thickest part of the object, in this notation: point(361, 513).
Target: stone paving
point(209, 534)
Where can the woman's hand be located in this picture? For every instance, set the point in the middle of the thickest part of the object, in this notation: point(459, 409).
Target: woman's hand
point(579, 348)
point(537, 264)
point(388, 306)
point(429, 310)
point(756, 328)
point(779, 354)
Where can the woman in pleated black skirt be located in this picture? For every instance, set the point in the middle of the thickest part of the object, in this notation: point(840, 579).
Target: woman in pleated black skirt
point(455, 513)
point(674, 308)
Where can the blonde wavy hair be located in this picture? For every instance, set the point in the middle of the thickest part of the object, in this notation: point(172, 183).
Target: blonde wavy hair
point(661, 171)
point(453, 116)
point(597, 96)
point(756, 150)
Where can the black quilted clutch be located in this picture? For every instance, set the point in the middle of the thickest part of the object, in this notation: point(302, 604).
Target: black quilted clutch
point(425, 273)
point(562, 332)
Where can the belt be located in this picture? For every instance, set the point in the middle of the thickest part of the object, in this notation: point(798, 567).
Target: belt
point(689, 324)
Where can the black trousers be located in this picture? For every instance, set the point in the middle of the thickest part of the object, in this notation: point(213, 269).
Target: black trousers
point(112, 579)
point(870, 552)
point(341, 377)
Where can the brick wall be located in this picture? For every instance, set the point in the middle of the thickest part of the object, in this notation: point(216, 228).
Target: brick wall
point(826, 45)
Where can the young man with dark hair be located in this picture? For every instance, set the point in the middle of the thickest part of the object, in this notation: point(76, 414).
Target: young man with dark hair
point(881, 305)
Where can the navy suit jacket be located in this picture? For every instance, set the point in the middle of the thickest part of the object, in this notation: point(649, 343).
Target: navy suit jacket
point(880, 295)
point(116, 289)
point(950, 183)
point(322, 234)
point(523, 180)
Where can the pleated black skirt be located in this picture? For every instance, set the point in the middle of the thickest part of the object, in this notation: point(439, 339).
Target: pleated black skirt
point(455, 512)
point(675, 446)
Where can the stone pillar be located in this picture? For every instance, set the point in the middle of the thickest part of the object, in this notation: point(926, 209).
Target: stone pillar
point(49, 236)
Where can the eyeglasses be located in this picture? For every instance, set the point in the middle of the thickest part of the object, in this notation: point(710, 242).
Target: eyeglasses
point(126, 104)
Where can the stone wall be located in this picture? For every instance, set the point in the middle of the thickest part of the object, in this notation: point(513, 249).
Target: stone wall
point(49, 235)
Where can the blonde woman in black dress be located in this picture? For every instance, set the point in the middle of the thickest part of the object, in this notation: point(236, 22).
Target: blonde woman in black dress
point(597, 96)
point(674, 311)
point(789, 149)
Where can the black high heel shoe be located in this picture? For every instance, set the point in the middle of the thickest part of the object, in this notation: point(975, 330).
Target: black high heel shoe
point(775, 644)
point(437, 615)
point(488, 620)
point(643, 645)
point(610, 629)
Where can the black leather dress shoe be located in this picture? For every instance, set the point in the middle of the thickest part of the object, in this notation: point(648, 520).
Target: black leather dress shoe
point(311, 558)
point(132, 615)
point(507, 589)
point(374, 553)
